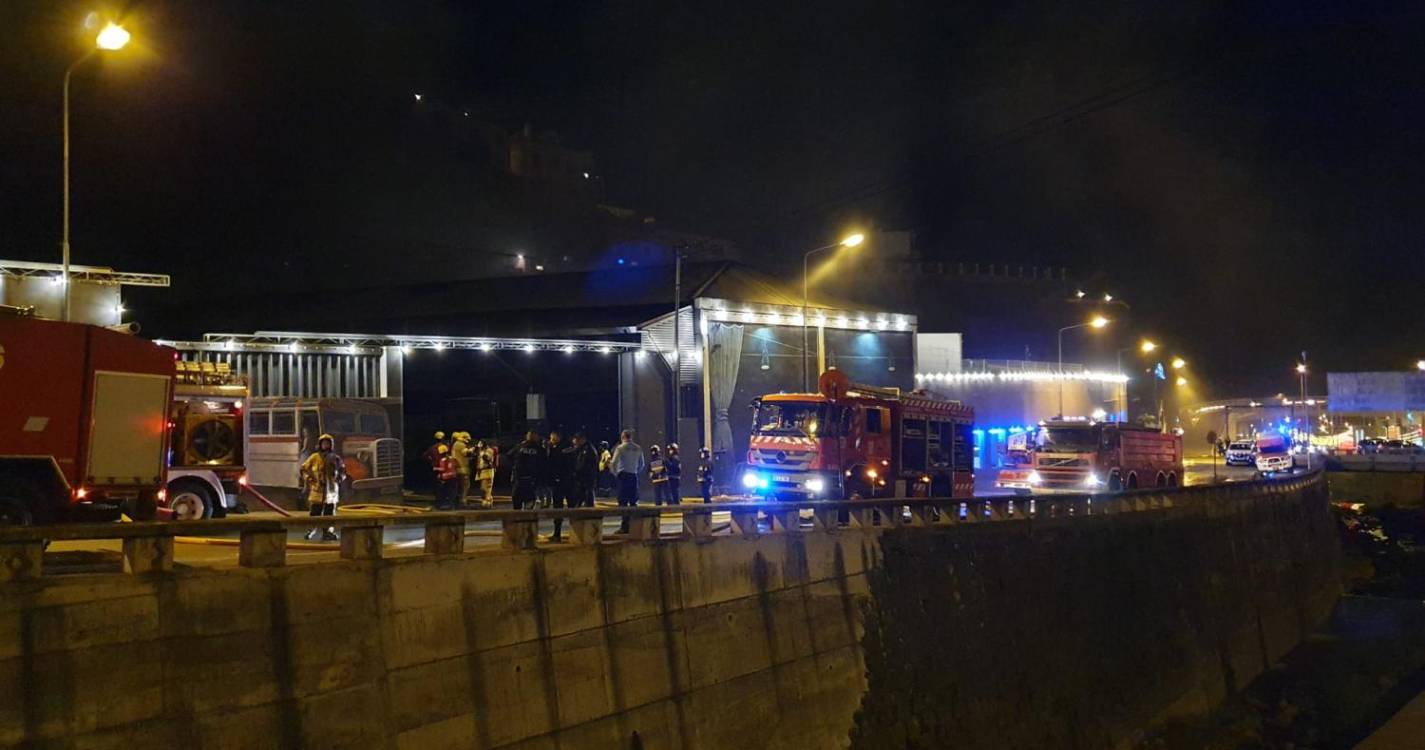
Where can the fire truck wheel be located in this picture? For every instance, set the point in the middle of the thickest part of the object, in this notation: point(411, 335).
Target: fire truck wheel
point(190, 500)
point(16, 498)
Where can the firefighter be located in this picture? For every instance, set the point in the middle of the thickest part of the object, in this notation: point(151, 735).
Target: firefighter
point(674, 469)
point(607, 480)
point(528, 470)
point(460, 453)
point(432, 456)
point(657, 474)
point(485, 472)
point(447, 482)
point(705, 473)
point(322, 474)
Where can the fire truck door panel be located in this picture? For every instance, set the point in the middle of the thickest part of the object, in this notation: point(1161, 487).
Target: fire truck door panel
point(126, 444)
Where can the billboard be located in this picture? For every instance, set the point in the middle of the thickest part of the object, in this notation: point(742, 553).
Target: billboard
point(1365, 392)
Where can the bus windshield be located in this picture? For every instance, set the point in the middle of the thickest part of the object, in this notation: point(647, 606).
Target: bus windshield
point(804, 418)
point(1067, 440)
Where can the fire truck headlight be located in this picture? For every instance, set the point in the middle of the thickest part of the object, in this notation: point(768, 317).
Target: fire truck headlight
point(1034, 478)
point(750, 480)
point(816, 484)
point(1092, 480)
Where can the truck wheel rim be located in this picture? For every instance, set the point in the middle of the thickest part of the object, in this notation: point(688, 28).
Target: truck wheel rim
point(187, 506)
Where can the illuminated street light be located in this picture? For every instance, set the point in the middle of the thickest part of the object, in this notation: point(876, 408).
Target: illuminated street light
point(1147, 346)
point(111, 38)
point(1098, 322)
point(1420, 364)
point(1079, 294)
point(1179, 363)
point(1182, 380)
point(1301, 368)
point(1107, 297)
point(850, 240)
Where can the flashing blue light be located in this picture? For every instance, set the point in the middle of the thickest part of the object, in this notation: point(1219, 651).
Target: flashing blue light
point(621, 261)
point(1015, 430)
point(997, 431)
point(978, 432)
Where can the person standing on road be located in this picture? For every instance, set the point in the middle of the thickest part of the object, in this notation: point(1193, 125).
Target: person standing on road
point(322, 474)
point(460, 453)
point(657, 474)
point(673, 466)
point(606, 481)
point(705, 473)
point(527, 471)
point(485, 472)
point(627, 465)
point(447, 479)
point(584, 472)
point(561, 479)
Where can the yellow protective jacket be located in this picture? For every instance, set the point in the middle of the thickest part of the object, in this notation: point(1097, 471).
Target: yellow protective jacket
point(322, 475)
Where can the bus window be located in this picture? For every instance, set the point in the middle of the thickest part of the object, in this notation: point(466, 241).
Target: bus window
point(913, 444)
point(311, 429)
point(259, 423)
point(372, 424)
point(284, 422)
point(338, 422)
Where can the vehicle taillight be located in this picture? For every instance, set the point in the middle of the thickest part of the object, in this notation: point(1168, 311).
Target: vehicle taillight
point(242, 480)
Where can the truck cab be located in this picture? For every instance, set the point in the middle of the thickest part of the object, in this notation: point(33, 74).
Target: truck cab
point(1089, 456)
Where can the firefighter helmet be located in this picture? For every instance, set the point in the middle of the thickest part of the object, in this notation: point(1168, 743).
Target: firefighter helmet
point(442, 449)
point(439, 435)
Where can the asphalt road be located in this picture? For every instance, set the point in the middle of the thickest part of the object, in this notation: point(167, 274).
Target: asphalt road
point(105, 555)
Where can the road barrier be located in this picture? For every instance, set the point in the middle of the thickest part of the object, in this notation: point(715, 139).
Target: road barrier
point(148, 547)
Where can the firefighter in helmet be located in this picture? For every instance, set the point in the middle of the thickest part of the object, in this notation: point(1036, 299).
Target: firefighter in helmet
point(322, 474)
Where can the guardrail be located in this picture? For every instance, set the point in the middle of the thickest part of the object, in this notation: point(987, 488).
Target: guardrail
point(148, 547)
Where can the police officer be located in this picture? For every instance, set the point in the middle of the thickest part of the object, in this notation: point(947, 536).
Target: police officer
point(584, 472)
point(561, 478)
point(527, 471)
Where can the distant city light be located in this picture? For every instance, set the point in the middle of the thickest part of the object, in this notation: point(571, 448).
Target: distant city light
point(586, 175)
point(1079, 294)
point(420, 97)
point(1179, 363)
point(1147, 346)
point(1182, 380)
point(621, 261)
point(538, 267)
point(1301, 368)
point(1420, 364)
point(1107, 297)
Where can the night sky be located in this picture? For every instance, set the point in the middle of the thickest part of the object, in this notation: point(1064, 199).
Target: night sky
point(1247, 175)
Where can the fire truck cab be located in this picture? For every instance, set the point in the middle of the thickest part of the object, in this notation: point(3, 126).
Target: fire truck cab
point(852, 440)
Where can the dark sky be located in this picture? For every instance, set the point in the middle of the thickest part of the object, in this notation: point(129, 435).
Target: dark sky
point(1248, 175)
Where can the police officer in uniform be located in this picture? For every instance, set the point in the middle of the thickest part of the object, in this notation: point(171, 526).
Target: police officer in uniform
point(528, 470)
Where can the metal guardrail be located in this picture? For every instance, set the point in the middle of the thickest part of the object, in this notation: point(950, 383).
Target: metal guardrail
point(148, 546)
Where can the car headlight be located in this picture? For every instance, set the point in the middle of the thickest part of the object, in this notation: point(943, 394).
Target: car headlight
point(1034, 478)
point(749, 480)
point(1092, 480)
point(815, 484)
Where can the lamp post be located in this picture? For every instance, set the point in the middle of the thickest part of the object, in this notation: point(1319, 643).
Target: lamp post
point(1145, 347)
point(1098, 322)
point(851, 240)
point(112, 37)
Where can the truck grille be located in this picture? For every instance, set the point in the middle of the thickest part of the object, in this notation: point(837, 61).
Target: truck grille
point(388, 458)
point(779, 458)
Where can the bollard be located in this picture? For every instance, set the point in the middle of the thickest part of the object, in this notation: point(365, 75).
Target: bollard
point(786, 521)
point(263, 549)
point(361, 543)
point(21, 561)
point(744, 522)
point(445, 537)
point(148, 554)
point(518, 534)
point(587, 530)
point(698, 524)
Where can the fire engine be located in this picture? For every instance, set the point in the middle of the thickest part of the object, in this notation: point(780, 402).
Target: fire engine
point(1090, 456)
point(83, 421)
point(205, 464)
point(850, 440)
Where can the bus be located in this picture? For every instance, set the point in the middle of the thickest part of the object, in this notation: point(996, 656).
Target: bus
point(283, 432)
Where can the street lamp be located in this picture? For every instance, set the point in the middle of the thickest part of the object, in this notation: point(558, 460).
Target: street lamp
point(1098, 322)
point(851, 240)
point(1420, 365)
point(1182, 381)
point(1147, 346)
point(1179, 363)
point(111, 38)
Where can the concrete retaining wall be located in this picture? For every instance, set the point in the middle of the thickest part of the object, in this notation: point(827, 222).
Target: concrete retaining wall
point(1057, 632)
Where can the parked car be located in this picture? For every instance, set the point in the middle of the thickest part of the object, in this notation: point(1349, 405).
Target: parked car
point(1241, 453)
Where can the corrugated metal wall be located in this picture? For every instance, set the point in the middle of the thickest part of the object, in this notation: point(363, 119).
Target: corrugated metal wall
point(302, 375)
point(659, 336)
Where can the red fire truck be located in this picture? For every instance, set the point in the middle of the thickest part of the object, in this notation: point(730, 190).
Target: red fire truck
point(83, 421)
point(205, 458)
point(1074, 456)
point(853, 440)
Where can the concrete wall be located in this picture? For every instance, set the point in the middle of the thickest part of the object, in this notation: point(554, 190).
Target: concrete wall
point(1056, 632)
